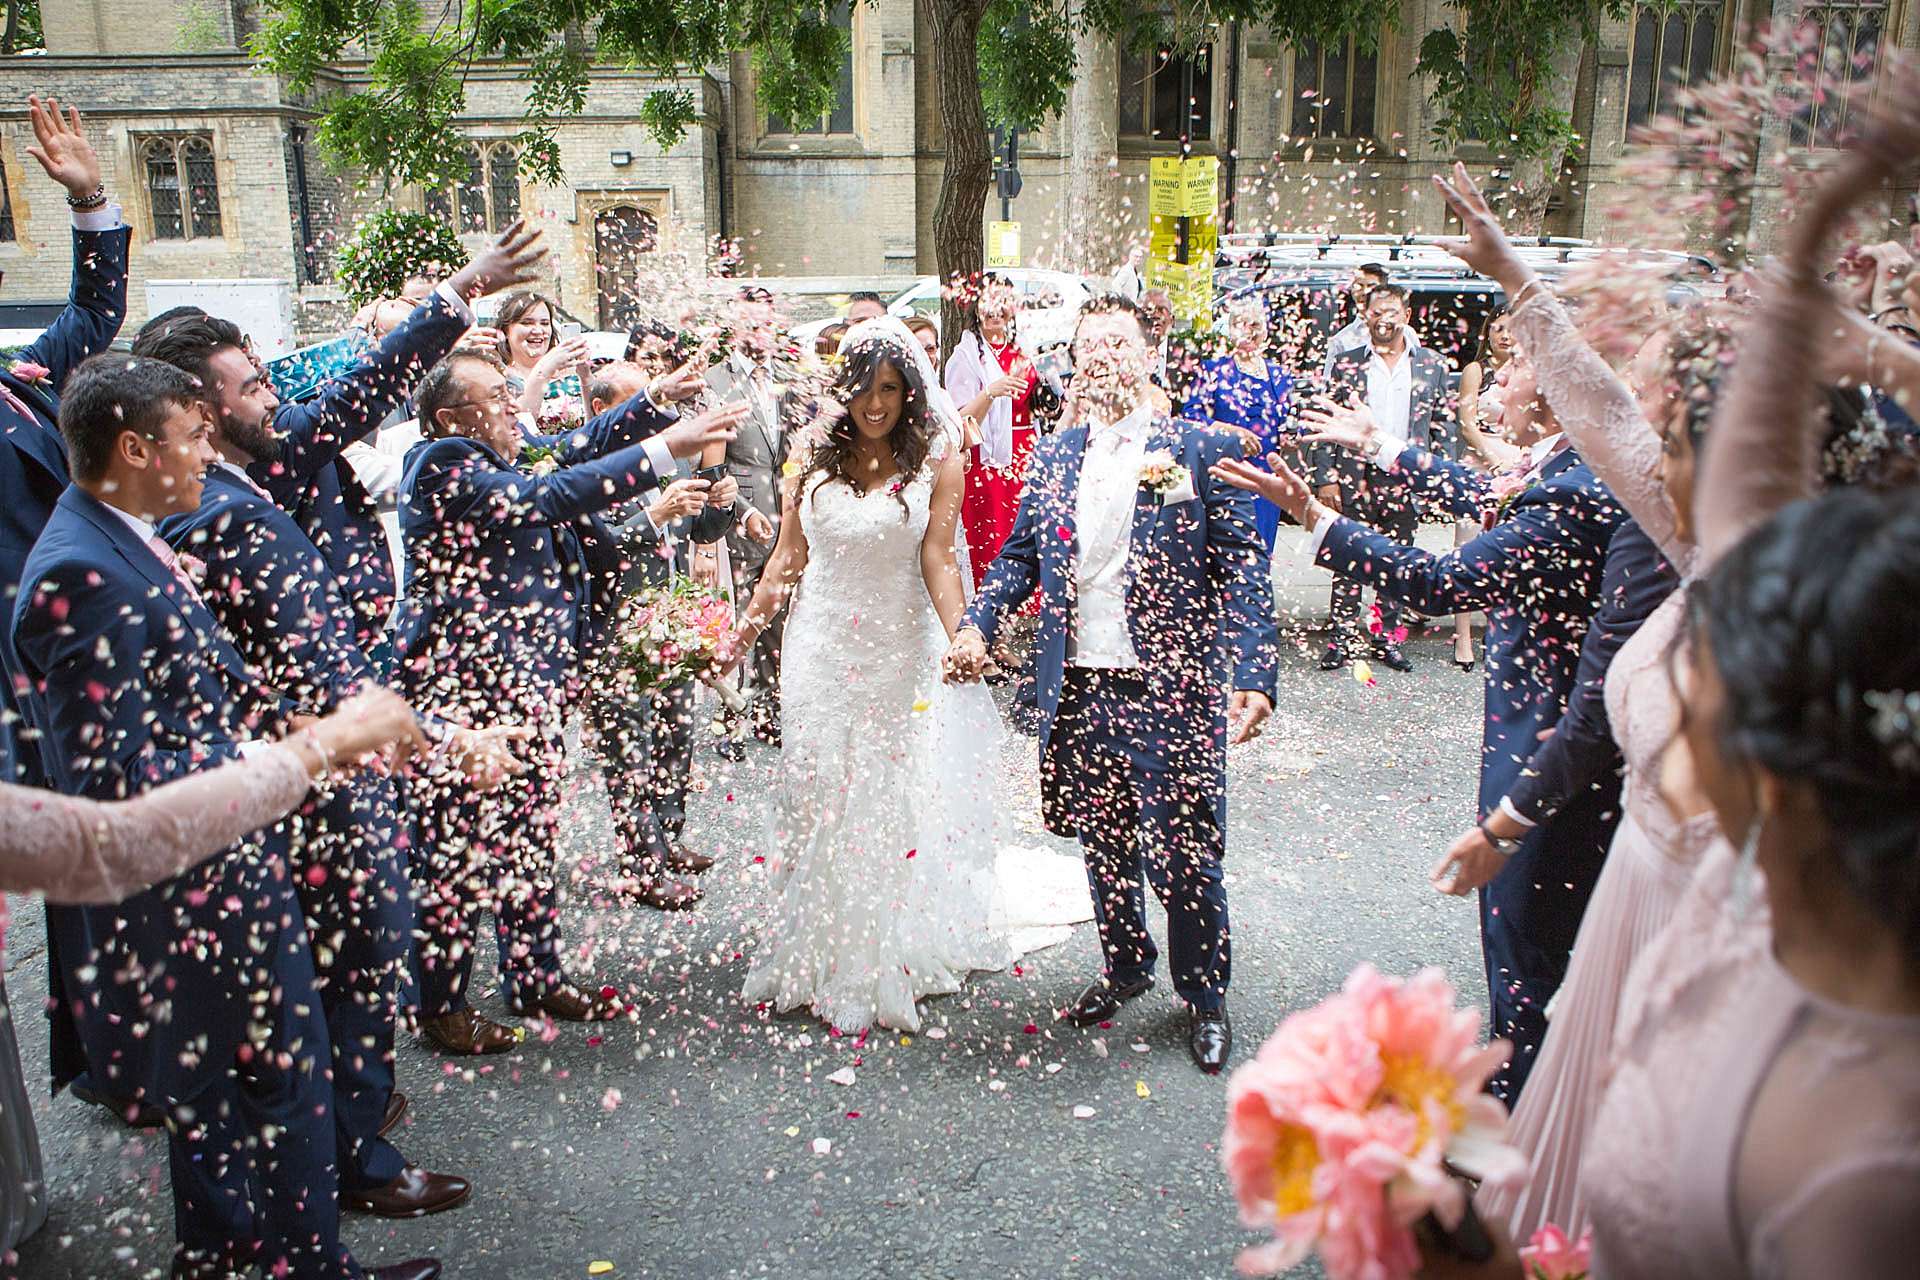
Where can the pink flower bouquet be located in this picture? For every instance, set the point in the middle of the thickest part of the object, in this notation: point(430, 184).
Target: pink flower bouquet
point(1551, 1256)
point(1349, 1125)
point(669, 634)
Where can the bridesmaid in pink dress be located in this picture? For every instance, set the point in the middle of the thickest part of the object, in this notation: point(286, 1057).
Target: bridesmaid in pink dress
point(1763, 1092)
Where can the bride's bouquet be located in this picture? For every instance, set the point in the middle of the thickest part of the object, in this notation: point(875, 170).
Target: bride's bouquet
point(1350, 1126)
point(666, 635)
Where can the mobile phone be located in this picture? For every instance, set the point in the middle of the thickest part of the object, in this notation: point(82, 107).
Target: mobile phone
point(714, 474)
point(568, 328)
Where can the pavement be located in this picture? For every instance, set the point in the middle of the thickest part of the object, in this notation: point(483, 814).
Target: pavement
point(701, 1138)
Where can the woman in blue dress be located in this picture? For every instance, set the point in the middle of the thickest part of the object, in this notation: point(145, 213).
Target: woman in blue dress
point(1245, 392)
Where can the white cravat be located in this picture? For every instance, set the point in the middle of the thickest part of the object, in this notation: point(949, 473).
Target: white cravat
point(1103, 517)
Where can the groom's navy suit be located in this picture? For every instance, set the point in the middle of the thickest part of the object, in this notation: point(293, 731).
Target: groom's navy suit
point(1537, 574)
point(196, 994)
point(1134, 763)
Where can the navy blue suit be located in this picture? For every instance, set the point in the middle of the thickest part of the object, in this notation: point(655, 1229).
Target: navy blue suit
point(159, 996)
point(1133, 763)
point(1537, 574)
point(289, 617)
point(499, 610)
point(1582, 751)
point(33, 457)
point(311, 479)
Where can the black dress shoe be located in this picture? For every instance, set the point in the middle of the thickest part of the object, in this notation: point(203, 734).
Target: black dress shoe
point(1389, 653)
point(1209, 1039)
point(1334, 658)
point(1102, 1000)
point(418, 1269)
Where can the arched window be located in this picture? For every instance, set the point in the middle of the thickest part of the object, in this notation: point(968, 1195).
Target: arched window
point(183, 187)
point(1333, 89)
point(1673, 45)
point(503, 185)
point(1850, 33)
point(487, 195)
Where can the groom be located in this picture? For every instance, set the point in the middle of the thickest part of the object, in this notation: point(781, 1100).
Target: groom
point(1147, 569)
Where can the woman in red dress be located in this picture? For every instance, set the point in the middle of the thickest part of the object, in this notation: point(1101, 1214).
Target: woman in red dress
point(992, 382)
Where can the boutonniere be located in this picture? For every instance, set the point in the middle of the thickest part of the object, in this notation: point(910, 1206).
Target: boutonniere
point(542, 460)
point(1165, 478)
point(1505, 492)
point(28, 371)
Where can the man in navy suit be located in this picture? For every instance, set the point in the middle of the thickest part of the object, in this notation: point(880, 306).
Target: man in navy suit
point(1149, 571)
point(33, 460)
point(500, 606)
point(1537, 573)
point(295, 448)
point(196, 996)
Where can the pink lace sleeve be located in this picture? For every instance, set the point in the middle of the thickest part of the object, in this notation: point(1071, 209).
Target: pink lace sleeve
point(96, 852)
point(1763, 451)
point(1601, 417)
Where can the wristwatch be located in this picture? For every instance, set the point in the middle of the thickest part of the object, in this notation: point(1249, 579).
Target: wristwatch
point(1505, 846)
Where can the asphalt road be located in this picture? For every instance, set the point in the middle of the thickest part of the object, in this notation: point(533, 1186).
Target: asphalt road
point(702, 1139)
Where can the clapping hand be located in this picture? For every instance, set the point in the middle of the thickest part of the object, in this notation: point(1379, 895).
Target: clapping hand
point(62, 147)
point(488, 757)
point(510, 260)
point(677, 385)
point(1281, 486)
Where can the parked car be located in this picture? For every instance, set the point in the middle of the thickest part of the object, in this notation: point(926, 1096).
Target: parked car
point(1049, 301)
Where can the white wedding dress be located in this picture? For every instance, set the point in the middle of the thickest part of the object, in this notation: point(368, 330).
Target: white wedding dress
point(886, 877)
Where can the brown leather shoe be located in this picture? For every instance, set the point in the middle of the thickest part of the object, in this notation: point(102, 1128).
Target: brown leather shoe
point(686, 861)
point(418, 1269)
point(466, 1032)
point(414, 1194)
point(568, 1003)
point(396, 1107)
point(662, 893)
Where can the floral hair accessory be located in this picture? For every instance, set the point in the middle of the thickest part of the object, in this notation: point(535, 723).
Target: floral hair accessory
point(1896, 725)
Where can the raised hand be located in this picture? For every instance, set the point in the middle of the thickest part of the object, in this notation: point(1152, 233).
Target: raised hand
point(688, 438)
point(1350, 427)
point(512, 259)
point(482, 338)
point(62, 147)
point(1485, 247)
point(677, 385)
point(488, 757)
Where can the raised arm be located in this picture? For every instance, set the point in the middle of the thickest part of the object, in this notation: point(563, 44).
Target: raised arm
point(1594, 407)
point(97, 300)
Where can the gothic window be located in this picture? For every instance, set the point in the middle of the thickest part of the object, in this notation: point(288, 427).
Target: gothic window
point(183, 189)
point(486, 194)
point(1163, 90)
point(1333, 89)
point(503, 186)
point(6, 206)
point(1671, 46)
point(840, 119)
point(1850, 34)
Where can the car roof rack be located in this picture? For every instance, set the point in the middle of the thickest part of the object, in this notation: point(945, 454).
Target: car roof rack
point(1239, 250)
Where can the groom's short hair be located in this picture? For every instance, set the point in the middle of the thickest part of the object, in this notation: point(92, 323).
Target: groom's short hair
point(1108, 304)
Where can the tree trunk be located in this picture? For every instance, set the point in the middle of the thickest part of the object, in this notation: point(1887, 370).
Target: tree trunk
point(1095, 236)
point(1536, 177)
point(12, 32)
point(967, 173)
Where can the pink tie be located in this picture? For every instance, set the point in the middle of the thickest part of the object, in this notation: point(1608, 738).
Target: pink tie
point(18, 405)
point(172, 562)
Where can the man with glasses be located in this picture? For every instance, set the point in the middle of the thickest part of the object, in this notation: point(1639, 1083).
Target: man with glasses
point(1150, 571)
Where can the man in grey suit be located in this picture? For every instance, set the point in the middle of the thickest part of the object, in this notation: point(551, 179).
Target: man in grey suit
point(646, 744)
point(754, 458)
point(1405, 388)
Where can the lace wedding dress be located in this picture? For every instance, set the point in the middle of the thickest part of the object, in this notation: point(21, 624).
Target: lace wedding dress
point(887, 882)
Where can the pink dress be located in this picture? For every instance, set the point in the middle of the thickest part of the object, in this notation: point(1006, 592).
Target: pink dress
point(1653, 854)
point(1706, 1159)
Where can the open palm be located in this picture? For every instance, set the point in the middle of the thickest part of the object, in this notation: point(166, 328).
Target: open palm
point(62, 147)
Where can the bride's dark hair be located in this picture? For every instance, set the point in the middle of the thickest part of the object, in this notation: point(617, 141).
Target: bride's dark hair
point(912, 436)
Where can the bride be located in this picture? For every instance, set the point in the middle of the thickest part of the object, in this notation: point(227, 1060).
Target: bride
point(883, 851)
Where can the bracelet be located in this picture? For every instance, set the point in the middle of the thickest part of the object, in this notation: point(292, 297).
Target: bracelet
point(320, 749)
point(1887, 311)
point(1521, 295)
point(1505, 846)
point(82, 204)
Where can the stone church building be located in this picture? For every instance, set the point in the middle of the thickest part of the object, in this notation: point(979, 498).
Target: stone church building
point(220, 177)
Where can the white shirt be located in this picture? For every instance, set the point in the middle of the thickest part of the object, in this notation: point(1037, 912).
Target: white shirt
point(1127, 282)
point(1390, 392)
point(1103, 518)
